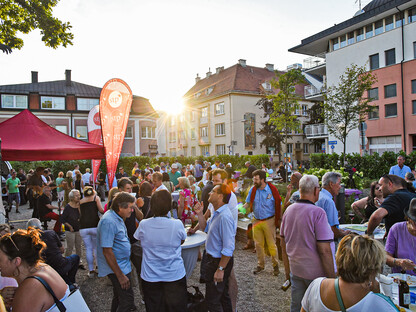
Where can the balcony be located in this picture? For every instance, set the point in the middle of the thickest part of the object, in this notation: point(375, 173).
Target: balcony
point(314, 63)
point(312, 91)
point(203, 120)
point(317, 131)
point(204, 140)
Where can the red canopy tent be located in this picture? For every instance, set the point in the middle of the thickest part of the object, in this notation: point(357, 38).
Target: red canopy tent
point(25, 137)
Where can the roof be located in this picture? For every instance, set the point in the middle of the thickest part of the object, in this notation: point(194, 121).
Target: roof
point(25, 137)
point(140, 105)
point(236, 78)
point(317, 43)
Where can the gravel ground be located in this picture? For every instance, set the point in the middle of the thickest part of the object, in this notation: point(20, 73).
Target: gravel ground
point(256, 292)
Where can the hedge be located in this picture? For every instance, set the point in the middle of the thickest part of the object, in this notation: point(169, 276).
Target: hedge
point(127, 162)
point(372, 166)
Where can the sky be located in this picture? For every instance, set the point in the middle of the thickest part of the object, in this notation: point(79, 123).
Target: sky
point(158, 46)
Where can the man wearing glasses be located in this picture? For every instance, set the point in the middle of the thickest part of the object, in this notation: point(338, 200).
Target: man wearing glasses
point(397, 199)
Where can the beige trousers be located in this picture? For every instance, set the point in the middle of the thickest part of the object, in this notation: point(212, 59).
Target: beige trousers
point(265, 231)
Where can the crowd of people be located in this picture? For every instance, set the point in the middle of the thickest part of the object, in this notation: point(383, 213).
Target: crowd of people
point(141, 228)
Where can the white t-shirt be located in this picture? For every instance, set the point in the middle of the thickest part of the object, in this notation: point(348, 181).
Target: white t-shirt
point(232, 205)
point(162, 187)
point(312, 301)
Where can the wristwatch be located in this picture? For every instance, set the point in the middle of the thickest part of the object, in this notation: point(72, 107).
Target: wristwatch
point(220, 268)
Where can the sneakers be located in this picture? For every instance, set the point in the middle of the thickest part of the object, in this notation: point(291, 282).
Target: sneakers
point(276, 270)
point(258, 269)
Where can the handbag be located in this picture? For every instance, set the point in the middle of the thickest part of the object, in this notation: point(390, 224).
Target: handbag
point(73, 303)
point(196, 301)
point(339, 298)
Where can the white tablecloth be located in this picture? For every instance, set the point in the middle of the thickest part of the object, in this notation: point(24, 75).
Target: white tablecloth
point(378, 233)
point(190, 250)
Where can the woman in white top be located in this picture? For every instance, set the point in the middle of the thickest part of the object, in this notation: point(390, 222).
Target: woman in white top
point(359, 259)
point(163, 272)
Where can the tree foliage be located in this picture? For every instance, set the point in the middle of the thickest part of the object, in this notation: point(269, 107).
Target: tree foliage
point(346, 104)
point(271, 136)
point(23, 16)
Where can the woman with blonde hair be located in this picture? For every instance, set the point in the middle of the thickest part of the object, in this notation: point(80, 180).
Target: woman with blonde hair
point(187, 200)
point(359, 259)
point(90, 205)
point(111, 194)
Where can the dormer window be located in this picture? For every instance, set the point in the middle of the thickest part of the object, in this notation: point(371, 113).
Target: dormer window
point(266, 86)
point(209, 90)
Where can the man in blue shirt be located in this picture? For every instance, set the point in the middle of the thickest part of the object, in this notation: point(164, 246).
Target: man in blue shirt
point(217, 261)
point(113, 251)
point(331, 184)
point(400, 169)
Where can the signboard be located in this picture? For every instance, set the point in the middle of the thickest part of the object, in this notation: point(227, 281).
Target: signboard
point(272, 149)
point(95, 136)
point(332, 142)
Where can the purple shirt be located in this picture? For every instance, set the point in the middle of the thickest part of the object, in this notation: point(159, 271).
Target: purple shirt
point(401, 244)
point(303, 226)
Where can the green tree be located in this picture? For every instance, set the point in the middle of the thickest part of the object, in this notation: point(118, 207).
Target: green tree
point(271, 136)
point(23, 16)
point(346, 104)
point(286, 102)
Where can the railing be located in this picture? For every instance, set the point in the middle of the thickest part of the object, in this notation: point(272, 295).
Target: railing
point(314, 61)
point(203, 140)
point(317, 130)
point(312, 91)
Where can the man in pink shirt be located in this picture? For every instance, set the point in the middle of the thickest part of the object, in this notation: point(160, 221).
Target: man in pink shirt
point(307, 239)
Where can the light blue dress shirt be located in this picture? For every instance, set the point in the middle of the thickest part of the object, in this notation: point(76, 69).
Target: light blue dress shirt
point(327, 203)
point(112, 233)
point(161, 238)
point(264, 203)
point(221, 233)
point(399, 172)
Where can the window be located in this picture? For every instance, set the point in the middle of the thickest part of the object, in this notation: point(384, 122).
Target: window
point(297, 110)
point(390, 57)
point(220, 129)
point(306, 148)
point(374, 64)
point(384, 144)
point(351, 38)
point(335, 44)
point(220, 149)
point(373, 94)
point(129, 132)
point(389, 23)
point(204, 112)
point(172, 121)
point(219, 108)
point(289, 148)
point(297, 146)
point(360, 34)
point(374, 114)
point(182, 136)
point(412, 15)
point(52, 102)
point(205, 150)
point(13, 101)
point(368, 31)
point(414, 107)
point(81, 132)
point(399, 20)
point(60, 128)
point(193, 116)
point(414, 86)
point(193, 151)
point(390, 91)
point(193, 134)
point(379, 27)
point(305, 110)
point(87, 104)
point(172, 137)
point(343, 39)
point(172, 152)
point(317, 148)
point(390, 110)
point(298, 131)
point(414, 49)
point(148, 132)
point(203, 132)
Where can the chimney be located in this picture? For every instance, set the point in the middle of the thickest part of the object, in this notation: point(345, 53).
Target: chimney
point(197, 78)
point(242, 62)
point(34, 76)
point(219, 69)
point(68, 77)
point(209, 73)
point(270, 67)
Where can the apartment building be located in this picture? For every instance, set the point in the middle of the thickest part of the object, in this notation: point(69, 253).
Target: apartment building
point(65, 104)
point(382, 37)
point(221, 116)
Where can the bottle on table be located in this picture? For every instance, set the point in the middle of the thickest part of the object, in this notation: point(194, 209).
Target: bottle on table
point(404, 294)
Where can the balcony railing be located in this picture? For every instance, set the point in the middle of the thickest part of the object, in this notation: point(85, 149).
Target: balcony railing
point(314, 61)
point(316, 131)
point(203, 140)
point(312, 91)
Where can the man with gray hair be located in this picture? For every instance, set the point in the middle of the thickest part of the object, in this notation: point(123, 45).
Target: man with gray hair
point(331, 184)
point(250, 169)
point(307, 240)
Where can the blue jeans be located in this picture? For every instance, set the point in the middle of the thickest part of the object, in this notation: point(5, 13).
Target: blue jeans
point(299, 286)
point(69, 270)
